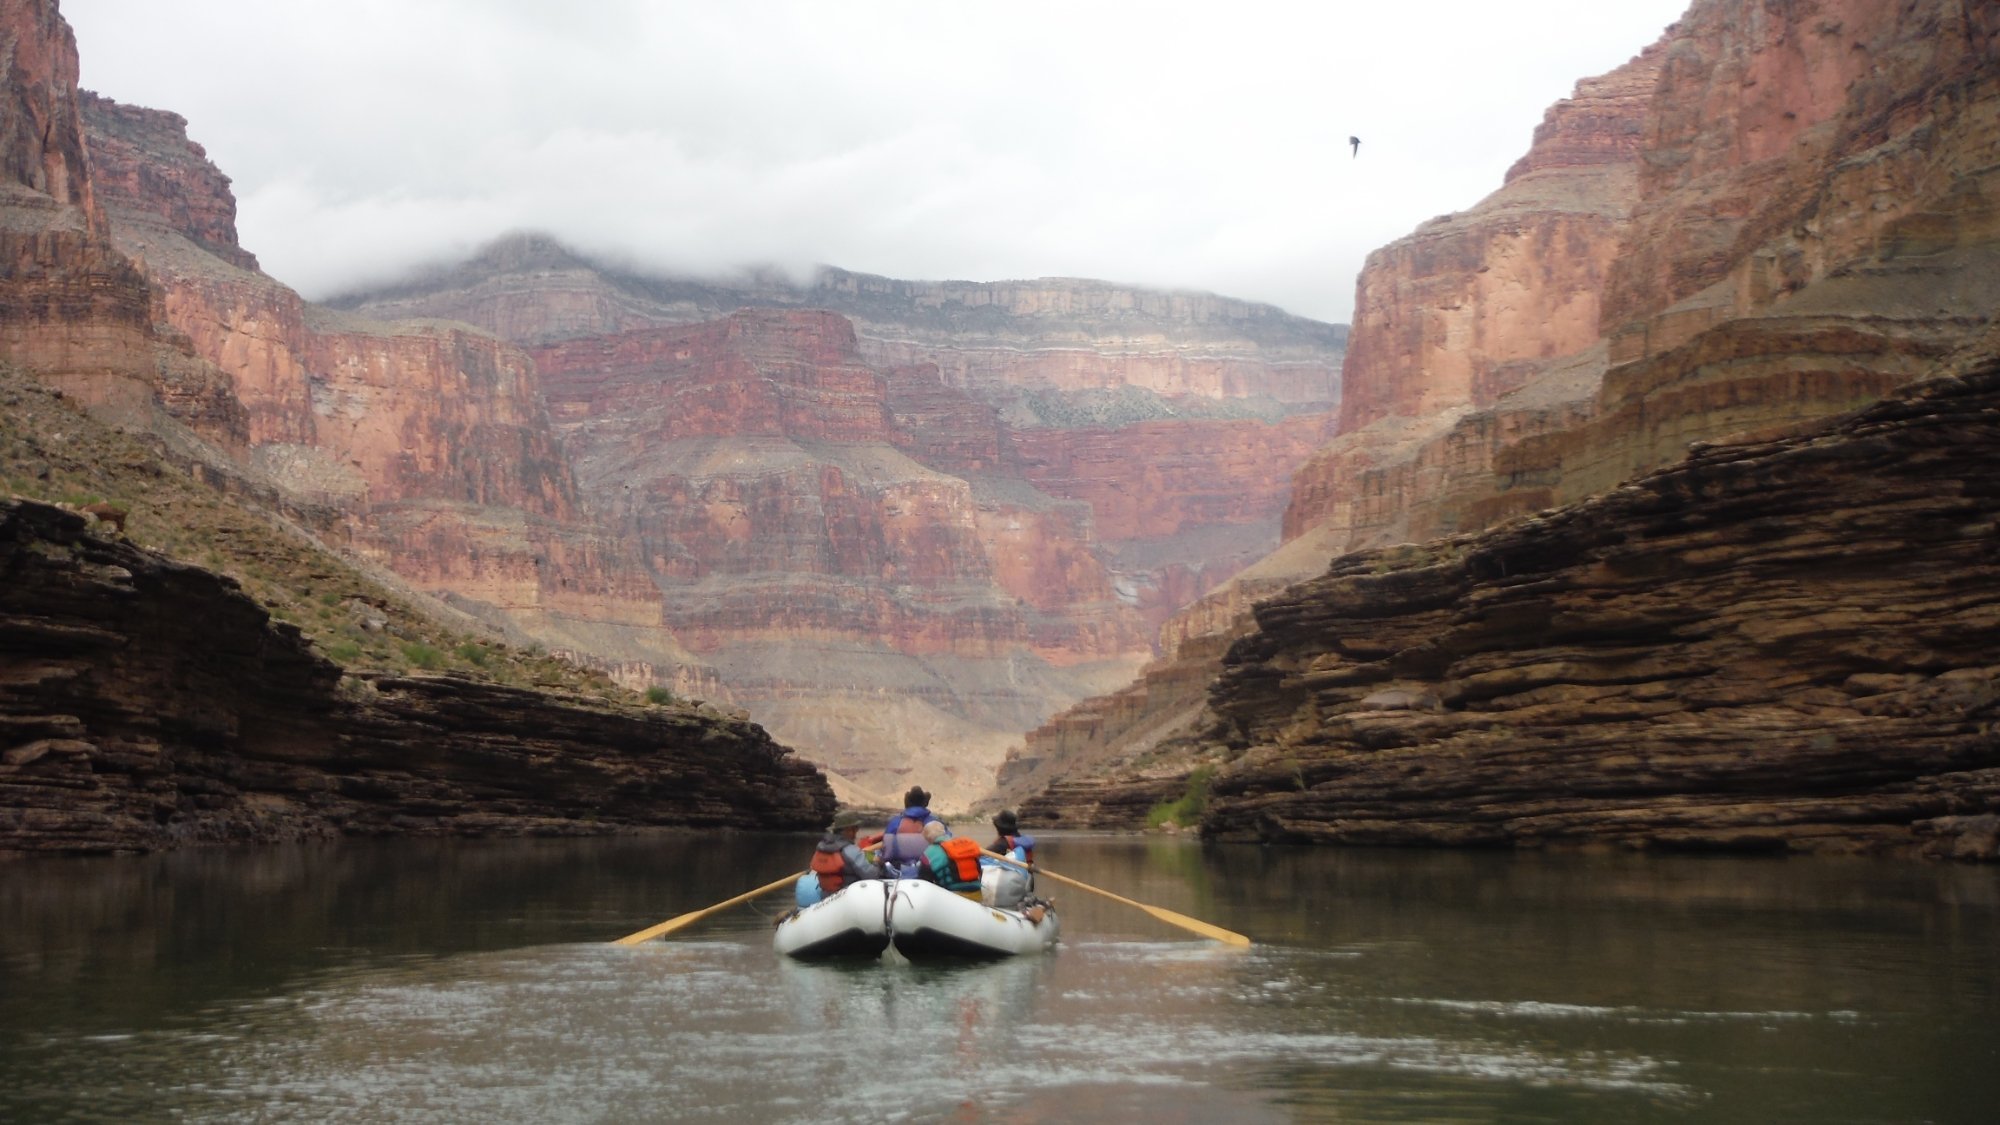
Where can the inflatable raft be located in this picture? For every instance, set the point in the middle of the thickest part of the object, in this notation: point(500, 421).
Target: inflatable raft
point(851, 922)
point(923, 921)
point(927, 922)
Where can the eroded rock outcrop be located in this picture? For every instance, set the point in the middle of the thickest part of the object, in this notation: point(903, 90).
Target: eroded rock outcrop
point(132, 160)
point(1782, 645)
point(148, 704)
point(71, 306)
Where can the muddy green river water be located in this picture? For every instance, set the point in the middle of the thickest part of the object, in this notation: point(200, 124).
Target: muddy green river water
point(459, 982)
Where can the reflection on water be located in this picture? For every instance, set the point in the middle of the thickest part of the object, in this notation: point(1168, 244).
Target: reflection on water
point(456, 981)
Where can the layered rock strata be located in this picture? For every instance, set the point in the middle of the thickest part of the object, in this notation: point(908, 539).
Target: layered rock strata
point(1060, 333)
point(1773, 215)
point(1176, 416)
point(770, 479)
point(132, 161)
point(1813, 182)
point(1782, 645)
point(71, 307)
point(765, 507)
point(430, 442)
point(147, 704)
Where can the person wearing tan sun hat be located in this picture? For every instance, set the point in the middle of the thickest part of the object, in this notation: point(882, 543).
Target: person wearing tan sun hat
point(837, 860)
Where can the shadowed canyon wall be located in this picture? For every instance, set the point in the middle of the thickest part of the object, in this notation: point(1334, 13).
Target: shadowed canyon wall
point(1783, 645)
point(151, 704)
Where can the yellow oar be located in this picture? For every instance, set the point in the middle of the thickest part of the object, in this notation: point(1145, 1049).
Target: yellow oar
point(675, 923)
point(1196, 925)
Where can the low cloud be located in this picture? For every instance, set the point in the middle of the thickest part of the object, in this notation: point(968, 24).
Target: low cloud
point(1177, 145)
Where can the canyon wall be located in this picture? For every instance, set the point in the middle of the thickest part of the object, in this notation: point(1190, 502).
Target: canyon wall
point(1063, 333)
point(1208, 401)
point(71, 306)
point(747, 507)
point(905, 521)
point(1780, 645)
point(1775, 214)
point(907, 615)
point(431, 442)
point(150, 704)
point(425, 443)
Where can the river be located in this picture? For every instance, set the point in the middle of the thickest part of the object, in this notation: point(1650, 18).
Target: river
point(473, 981)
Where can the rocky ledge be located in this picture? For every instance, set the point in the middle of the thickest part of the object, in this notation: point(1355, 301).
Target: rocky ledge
point(1781, 645)
point(147, 704)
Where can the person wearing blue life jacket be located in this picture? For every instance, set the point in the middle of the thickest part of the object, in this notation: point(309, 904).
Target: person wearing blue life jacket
point(903, 843)
point(1007, 885)
point(1010, 842)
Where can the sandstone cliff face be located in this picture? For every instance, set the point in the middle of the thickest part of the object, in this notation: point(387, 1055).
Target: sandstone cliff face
point(1781, 645)
point(432, 442)
point(42, 142)
point(1471, 305)
point(770, 479)
point(962, 485)
point(131, 159)
point(1155, 479)
point(150, 704)
point(1775, 214)
point(70, 306)
point(1822, 169)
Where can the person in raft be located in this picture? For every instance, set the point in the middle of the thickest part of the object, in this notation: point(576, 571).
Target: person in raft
point(838, 859)
point(952, 862)
point(903, 840)
point(1007, 885)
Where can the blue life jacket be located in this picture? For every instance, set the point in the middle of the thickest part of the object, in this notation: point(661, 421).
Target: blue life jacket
point(1020, 849)
point(903, 843)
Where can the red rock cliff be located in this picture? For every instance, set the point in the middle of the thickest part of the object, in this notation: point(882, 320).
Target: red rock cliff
point(1829, 163)
point(1777, 213)
point(131, 159)
point(70, 305)
point(889, 613)
point(432, 440)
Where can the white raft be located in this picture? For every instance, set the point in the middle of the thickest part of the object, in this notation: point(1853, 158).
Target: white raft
point(924, 921)
point(851, 922)
point(927, 922)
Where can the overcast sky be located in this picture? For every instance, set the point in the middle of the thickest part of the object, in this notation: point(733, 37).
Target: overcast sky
point(1175, 145)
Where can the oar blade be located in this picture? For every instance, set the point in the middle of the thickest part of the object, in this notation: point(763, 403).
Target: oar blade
point(1193, 925)
point(1227, 937)
point(664, 928)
